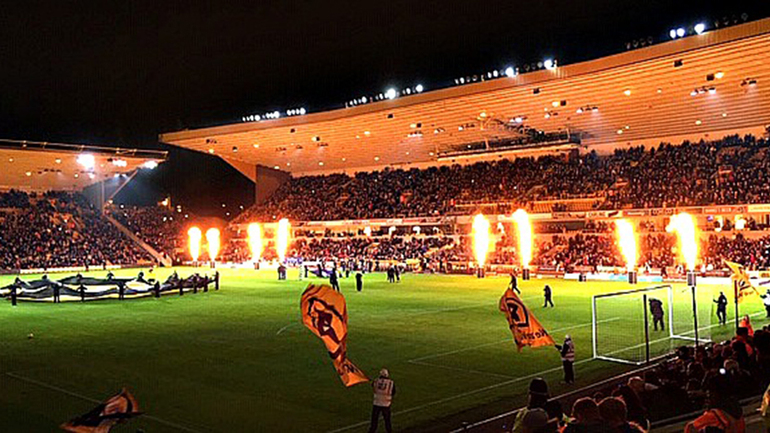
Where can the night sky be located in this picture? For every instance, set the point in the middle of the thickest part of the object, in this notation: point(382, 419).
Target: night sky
point(119, 74)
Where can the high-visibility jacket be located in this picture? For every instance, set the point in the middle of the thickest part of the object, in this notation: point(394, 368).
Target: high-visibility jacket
point(716, 418)
point(384, 389)
point(568, 351)
point(745, 323)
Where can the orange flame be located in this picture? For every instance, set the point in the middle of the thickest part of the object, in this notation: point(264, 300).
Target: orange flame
point(627, 241)
point(481, 238)
point(282, 238)
point(212, 237)
point(525, 236)
point(255, 241)
point(684, 226)
point(195, 235)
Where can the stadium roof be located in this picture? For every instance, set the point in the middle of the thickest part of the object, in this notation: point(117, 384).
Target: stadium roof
point(36, 166)
point(718, 81)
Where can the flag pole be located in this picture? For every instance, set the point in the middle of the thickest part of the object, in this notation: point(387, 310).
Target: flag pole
point(735, 297)
point(691, 281)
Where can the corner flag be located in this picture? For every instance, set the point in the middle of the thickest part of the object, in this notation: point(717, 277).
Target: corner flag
point(743, 285)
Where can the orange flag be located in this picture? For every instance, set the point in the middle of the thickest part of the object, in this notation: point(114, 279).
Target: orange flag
point(743, 286)
point(527, 331)
point(104, 417)
point(324, 312)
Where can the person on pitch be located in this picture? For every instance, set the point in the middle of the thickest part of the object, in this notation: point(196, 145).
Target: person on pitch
point(334, 279)
point(721, 302)
point(384, 390)
point(514, 284)
point(547, 294)
point(567, 352)
point(359, 281)
point(656, 310)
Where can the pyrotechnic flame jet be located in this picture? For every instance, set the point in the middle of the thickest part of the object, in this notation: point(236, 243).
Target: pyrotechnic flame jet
point(525, 237)
point(255, 241)
point(627, 241)
point(684, 226)
point(282, 239)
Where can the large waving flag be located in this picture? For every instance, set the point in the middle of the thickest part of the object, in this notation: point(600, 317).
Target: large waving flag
point(324, 312)
point(105, 416)
point(527, 331)
point(743, 287)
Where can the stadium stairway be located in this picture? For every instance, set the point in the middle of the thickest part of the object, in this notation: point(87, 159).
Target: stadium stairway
point(160, 258)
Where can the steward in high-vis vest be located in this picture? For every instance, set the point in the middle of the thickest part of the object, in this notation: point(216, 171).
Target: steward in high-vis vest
point(567, 352)
point(384, 390)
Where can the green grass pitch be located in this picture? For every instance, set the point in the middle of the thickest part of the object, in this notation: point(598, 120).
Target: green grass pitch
point(239, 360)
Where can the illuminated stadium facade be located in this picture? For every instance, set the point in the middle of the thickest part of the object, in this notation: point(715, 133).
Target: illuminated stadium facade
point(41, 166)
point(698, 87)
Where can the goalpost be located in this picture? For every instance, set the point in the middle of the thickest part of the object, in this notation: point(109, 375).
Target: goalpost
point(624, 329)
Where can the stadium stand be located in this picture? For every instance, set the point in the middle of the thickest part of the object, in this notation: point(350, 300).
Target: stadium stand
point(57, 230)
point(160, 227)
point(728, 171)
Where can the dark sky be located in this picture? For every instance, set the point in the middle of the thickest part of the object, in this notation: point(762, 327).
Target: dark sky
point(121, 72)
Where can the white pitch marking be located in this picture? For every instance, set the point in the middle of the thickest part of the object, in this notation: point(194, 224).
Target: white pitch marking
point(89, 399)
point(465, 370)
point(464, 394)
point(285, 328)
point(478, 390)
point(452, 352)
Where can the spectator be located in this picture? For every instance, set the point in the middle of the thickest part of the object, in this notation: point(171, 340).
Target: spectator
point(586, 417)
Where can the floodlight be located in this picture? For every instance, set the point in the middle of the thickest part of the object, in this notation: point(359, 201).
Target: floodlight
point(86, 160)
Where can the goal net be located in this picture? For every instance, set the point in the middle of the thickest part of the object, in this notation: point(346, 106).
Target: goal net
point(635, 326)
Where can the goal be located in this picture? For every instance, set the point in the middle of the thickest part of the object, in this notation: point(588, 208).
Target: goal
point(625, 329)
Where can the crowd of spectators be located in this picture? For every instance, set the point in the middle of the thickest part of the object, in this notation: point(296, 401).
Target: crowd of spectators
point(733, 170)
point(753, 253)
point(713, 377)
point(158, 226)
point(14, 199)
point(59, 229)
point(562, 252)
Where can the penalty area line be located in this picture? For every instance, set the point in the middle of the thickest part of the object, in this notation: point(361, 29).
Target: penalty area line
point(465, 394)
point(91, 400)
point(479, 390)
point(452, 352)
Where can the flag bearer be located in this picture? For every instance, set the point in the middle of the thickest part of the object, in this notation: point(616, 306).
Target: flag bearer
point(384, 390)
point(567, 351)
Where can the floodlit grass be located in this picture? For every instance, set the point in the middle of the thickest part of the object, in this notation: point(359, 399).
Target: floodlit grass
point(239, 359)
